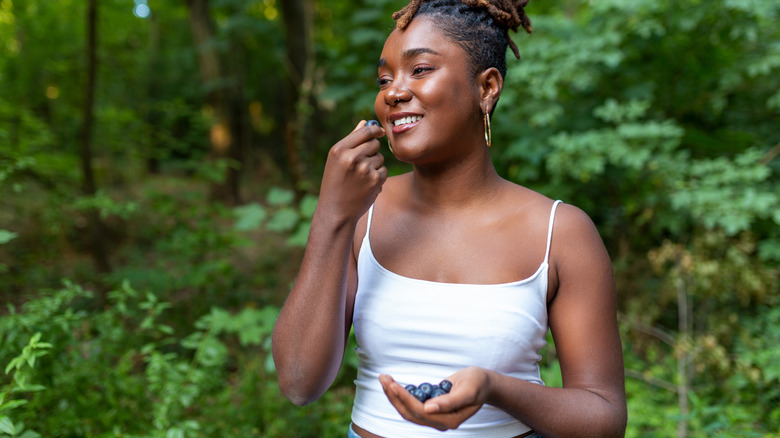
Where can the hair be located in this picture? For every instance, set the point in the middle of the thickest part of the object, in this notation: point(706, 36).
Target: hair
point(480, 27)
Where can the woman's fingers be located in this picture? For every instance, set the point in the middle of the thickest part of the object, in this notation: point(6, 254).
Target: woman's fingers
point(377, 160)
point(361, 134)
point(359, 146)
point(354, 173)
point(359, 151)
point(444, 404)
point(409, 407)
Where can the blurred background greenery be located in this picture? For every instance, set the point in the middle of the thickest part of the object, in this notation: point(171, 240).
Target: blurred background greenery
point(160, 160)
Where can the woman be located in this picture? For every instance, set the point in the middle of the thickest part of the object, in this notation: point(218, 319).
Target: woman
point(451, 271)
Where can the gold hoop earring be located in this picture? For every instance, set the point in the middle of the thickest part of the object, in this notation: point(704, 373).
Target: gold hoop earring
point(488, 134)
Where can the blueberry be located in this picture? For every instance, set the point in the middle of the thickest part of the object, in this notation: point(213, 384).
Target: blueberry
point(372, 123)
point(437, 391)
point(410, 387)
point(426, 388)
point(420, 395)
point(446, 385)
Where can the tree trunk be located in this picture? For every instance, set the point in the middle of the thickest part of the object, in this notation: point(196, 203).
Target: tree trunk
point(298, 22)
point(227, 128)
point(685, 338)
point(152, 116)
point(96, 229)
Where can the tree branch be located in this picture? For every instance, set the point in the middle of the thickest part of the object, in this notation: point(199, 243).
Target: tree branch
point(654, 332)
point(651, 380)
point(771, 155)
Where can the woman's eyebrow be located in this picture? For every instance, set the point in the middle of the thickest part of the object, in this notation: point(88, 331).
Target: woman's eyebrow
point(410, 53)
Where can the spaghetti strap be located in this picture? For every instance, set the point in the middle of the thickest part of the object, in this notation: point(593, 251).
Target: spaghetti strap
point(549, 229)
point(368, 223)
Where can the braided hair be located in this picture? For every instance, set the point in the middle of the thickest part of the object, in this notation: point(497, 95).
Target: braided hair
point(480, 27)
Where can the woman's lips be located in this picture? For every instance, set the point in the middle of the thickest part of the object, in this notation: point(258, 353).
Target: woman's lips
point(404, 124)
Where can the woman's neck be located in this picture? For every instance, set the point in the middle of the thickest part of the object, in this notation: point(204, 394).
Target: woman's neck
point(472, 181)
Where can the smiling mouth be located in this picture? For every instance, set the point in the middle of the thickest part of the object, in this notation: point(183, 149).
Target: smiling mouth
point(407, 120)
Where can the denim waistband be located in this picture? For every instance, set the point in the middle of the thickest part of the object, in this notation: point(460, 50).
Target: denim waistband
point(351, 432)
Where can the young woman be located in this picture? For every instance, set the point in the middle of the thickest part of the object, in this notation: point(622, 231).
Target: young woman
point(451, 272)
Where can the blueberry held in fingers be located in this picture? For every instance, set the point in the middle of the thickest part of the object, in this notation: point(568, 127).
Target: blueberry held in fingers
point(372, 123)
point(446, 385)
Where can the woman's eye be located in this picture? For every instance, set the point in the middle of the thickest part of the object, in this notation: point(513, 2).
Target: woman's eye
point(421, 69)
point(382, 81)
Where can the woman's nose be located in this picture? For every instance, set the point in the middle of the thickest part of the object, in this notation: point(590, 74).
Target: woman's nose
point(397, 94)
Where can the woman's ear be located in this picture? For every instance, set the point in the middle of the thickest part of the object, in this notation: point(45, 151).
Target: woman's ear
point(490, 85)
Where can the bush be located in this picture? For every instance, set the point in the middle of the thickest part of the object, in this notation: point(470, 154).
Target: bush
point(124, 371)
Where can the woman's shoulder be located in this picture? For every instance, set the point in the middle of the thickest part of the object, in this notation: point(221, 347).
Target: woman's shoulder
point(566, 216)
point(572, 222)
point(395, 192)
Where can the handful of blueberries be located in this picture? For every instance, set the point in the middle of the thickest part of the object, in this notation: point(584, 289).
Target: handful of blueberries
point(427, 391)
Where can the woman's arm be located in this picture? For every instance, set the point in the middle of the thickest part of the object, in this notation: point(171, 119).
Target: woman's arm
point(583, 321)
point(310, 334)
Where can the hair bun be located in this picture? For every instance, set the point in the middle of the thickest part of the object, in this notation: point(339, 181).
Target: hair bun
point(507, 13)
point(510, 13)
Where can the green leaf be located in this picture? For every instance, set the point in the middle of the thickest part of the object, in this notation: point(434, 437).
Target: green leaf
point(253, 325)
point(249, 217)
point(7, 426)
point(307, 206)
point(278, 197)
point(615, 112)
point(13, 364)
point(174, 432)
point(283, 220)
point(12, 404)
point(35, 338)
point(7, 236)
point(32, 388)
point(301, 235)
point(211, 352)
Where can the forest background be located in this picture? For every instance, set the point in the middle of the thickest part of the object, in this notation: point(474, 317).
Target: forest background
point(160, 160)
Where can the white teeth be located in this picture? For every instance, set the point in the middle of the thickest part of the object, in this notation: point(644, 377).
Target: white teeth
point(407, 120)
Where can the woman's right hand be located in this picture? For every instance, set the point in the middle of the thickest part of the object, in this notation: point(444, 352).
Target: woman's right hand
point(354, 174)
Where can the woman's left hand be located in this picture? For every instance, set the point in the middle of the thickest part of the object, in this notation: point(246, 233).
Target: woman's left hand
point(470, 388)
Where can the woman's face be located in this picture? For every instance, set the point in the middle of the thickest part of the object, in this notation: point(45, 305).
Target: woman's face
point(428, 100)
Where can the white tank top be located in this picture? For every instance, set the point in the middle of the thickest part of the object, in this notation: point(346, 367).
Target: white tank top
point(423, 331)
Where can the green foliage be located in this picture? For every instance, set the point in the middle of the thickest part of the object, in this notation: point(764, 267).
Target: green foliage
point(18, 368)
point(757, 377)
point(124, 370)
point(105, 206)
point(283, 215)
point(729, 194)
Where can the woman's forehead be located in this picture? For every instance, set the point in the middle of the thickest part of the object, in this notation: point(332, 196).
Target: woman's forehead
point(422, 35)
